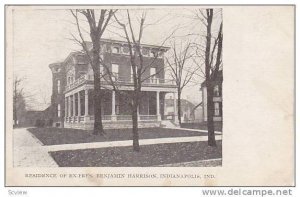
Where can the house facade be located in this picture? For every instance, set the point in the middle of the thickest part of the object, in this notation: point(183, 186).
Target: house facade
point(73, 85)
point(217, 98)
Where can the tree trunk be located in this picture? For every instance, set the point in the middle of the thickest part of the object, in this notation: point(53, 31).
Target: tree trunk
point(210, 90)
point(179, 106)
point(210, 115)
point(135, 139)
point(98, 126)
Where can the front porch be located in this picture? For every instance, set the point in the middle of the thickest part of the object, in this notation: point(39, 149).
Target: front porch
point(116, 109)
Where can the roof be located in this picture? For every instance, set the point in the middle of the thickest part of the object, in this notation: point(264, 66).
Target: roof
point(125, 42)
point(56, 64)
point(184, 103)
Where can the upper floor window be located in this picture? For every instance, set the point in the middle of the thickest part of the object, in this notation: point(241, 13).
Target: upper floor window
point(115, 71)
point(217, 109)
point(131, 73)
point(126, 50)
point(70, 80)
point(101, 70)
point(153, 75)
point(58, 110)
point(153, 54)
point(216, 90)
point(145, 51)
point(58, 86)
point(116, 50)
point(161, 54)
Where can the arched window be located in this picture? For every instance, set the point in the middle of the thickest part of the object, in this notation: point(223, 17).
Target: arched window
point(58, 86)
point(115, 50)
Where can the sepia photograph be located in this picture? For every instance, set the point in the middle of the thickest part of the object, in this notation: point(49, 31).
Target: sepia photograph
point(118, 87)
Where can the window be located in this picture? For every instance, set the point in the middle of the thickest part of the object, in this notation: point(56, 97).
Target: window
point(58, 110)
point(131, 72)
point(58, 86)
point(145, 51)
point(70, 80)
point(153, 75)
point(115, 50)
point(153, 54)
point(216, 90)
point(126, 50)
point(217, 109)
point(101, 70)
point(115, 71)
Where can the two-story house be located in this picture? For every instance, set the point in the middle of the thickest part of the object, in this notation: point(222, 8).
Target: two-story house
point(217, 98)
point(73, 84)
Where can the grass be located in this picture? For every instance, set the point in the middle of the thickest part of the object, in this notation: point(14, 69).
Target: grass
point(54, 136)
point(149, 155)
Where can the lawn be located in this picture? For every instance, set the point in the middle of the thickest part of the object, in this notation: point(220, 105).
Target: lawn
point(149, 155)
point(54, 136)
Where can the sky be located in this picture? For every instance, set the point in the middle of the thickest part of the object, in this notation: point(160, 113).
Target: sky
point(42, 36)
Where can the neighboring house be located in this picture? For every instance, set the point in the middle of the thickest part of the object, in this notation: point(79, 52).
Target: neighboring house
point(72, 96)
point(187, 110)
point(218, 112)
point(36, 118)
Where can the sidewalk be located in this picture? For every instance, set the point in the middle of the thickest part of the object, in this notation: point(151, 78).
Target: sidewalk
point(198, 130)
point(28, 151)
point(61, 147)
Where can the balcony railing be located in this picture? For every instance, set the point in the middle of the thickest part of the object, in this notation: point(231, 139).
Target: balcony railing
point(119, 80)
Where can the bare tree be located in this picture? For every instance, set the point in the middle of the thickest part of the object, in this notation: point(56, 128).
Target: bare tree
point(213, 61)
point(138, 65)
point(18, 99)
point(97, 28)
point(181, 70)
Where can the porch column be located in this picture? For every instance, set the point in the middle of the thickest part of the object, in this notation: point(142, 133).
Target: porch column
point(86, 102)
point(74, 107)
point(79, 106)
point(138, 113)
point(113, 106)
point(66, 108)
point(69, 107)
point(158, 106)
point(175, 108)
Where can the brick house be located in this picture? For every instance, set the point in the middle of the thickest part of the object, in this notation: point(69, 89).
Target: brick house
point(217, 98)
point(72, 96)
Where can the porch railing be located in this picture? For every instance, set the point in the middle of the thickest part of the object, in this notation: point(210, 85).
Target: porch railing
point(124, 117)
point(110, 118)
point(148, 117)
point(120, 80)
